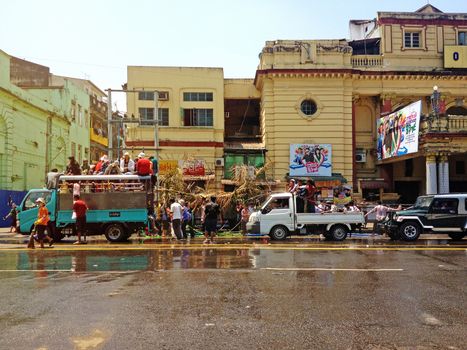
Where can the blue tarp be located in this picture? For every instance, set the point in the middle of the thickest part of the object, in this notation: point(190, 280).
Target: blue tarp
point(5, 195)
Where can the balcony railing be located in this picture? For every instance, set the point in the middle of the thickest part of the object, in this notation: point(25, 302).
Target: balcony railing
point(367, 61)
point(445, 123)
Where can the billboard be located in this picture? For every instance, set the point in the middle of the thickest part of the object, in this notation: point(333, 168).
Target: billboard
point(193, 167)
point(398, 132)
point(310, 160)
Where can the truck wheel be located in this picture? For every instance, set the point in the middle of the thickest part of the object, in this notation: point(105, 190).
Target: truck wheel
point(115, 233)
point(410, 231)
point(279, 233)
point(457, 236)
point(338, 232)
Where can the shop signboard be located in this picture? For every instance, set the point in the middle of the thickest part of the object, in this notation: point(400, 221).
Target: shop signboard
point(398, 132)
point(194, 167)
point(310, 160)
point(167, 166)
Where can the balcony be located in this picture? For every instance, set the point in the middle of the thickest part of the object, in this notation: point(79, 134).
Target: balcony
point(444, 124)
point(367, 61)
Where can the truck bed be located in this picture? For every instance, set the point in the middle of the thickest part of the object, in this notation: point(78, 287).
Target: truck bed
point(330, 218)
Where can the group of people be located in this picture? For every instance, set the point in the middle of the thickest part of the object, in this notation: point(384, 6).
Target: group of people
point(142, 166)
point(306, 195)
point(177, 218)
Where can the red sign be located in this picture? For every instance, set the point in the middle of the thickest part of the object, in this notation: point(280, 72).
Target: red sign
point(193, 168)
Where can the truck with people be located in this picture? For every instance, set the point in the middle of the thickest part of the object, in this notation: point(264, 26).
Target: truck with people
point(118, 205)
point(279, 218)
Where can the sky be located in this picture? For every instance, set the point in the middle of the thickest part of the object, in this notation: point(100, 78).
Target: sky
point(98, 39)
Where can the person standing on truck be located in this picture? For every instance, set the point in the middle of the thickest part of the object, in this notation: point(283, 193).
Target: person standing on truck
point(310, 196)
point(41, 226)
point(211, 212)
point(127, 165)
point(80, 208)
point(144, 165)
point(73, 167)
point(176, 210)
point(381, 213)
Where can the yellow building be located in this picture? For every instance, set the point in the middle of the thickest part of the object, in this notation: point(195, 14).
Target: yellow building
point(331, 92)
point(190, 118)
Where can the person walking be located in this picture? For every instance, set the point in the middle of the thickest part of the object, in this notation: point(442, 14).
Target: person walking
point(186, 217)
point(12, 214)
point(176, 210)
point(41, 223)
point(381, 213)
point(211, 213)
point(79, 209)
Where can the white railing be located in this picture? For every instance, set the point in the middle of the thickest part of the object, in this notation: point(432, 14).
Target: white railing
point(366, 61)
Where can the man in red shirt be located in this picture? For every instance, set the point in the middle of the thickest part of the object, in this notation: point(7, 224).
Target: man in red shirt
point(80, 208)
point(144, 165)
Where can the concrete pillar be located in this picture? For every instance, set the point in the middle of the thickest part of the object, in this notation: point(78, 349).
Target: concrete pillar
point(431, 179)
point(443, 172)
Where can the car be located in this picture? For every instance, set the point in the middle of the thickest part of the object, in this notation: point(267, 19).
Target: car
point(443, 213)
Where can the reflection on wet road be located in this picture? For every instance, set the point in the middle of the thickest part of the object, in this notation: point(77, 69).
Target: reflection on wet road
point(154, 255)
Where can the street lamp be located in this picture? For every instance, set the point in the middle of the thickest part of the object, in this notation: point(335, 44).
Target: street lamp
point(435, 105)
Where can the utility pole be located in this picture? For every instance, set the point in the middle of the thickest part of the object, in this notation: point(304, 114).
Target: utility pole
point(109, 123)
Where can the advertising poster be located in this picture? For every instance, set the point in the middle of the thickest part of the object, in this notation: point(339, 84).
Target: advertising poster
point(167, 166)
point(398, 132)
point(310, 160)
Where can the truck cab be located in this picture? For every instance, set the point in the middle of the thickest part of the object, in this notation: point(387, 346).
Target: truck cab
point(28, 209)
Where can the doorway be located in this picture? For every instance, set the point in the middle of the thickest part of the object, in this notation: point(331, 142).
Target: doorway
point(408, 191)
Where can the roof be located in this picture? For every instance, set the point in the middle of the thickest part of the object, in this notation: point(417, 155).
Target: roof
point(428, 8)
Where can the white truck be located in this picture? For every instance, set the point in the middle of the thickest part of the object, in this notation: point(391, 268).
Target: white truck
point(278, 218)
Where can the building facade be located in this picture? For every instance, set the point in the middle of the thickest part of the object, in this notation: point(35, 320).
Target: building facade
point(334, 91)
point(190, 119)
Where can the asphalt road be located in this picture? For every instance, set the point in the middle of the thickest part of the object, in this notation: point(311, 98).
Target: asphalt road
point(364, 293)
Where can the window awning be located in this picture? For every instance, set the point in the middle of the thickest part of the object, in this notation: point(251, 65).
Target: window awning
point(373, 184)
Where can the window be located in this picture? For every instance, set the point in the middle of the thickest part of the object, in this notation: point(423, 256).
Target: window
point(86, 118)
point(198, 117)
point(412, 39)
point(197, 96)
point(461, 38)
point(163, 116)
point(73, 112)
point(146, 95)
point(73, 149)
point(308, 107)
point(30, 201)
point(80, 115)
point(445, 206)
point(146, 116)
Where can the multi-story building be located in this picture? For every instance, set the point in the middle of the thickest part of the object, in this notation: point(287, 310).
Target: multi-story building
point(334, 91)
point(99, 141)
point(314, 108)
point(190, 118)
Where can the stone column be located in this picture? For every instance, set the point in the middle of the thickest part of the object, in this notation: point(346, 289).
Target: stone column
point(431, 178)
point(443, 172)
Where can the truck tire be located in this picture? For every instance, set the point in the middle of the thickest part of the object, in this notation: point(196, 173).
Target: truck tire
point(457, 236)
point(279, 233)
point(410, 231)
point(115, 233)
point(338, 232)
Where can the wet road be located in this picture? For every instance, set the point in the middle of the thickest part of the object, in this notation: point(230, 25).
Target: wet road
point(364, 293)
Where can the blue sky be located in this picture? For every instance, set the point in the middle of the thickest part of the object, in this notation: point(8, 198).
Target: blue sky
point(97, 39)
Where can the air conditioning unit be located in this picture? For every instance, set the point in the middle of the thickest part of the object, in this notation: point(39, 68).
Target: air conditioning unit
point(219, 162)
point(163, 95)
point(360, 156)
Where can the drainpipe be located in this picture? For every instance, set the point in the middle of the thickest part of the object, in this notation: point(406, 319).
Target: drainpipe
point(354, 163)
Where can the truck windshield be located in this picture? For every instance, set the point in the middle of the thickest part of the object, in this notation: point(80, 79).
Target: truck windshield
point(423, 202)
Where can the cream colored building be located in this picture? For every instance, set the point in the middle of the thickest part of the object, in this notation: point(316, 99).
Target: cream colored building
point(332, 92)
point(190, 112)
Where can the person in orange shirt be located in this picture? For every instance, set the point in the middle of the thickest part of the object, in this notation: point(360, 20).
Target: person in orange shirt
point(41, 226)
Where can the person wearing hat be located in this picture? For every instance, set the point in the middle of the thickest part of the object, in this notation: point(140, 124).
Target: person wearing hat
point(73, 167)
point(143, 165)
point(127, 165)
point(41, 226)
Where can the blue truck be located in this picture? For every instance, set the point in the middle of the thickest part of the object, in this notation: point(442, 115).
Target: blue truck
point(118, 205)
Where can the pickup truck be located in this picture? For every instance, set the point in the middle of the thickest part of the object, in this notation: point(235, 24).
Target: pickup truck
point(444, 213)
point(279, 219)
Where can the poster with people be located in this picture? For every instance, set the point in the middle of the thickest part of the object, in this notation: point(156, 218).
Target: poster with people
point(310, 160)
point(398, 132)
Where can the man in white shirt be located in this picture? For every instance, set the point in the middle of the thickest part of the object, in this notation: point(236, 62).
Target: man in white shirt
point(176, 210)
